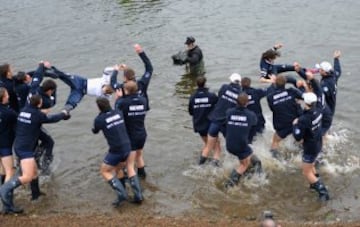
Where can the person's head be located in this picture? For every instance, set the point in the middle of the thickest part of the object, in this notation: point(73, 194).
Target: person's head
point(131, 87)
point(48, 87)
point(22, 77)
point(324, 67)
point(35, 101)
point(103, 104)
point(4, 96)
point(270, 55)
point(245, 82)
point(201, 81)
point(235, 78)
point(310, 99)
point(5, 71)
point(280, 81)
point(107, 89)
point(190, 42)
point(129, 74)
point(243, 99)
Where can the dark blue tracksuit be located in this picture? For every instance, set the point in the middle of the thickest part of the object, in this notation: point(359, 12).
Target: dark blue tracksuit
point(268, 68)
point(327, 115)
point(329, 85)
point(227, 98)
point(28, 129)
point(201, 103)
point(239, 122)
point(255, 95)
point(7, 129)
point(143, 83)
point(134, 110)
point(285, 109)
point(308, 128)
point(112, 124)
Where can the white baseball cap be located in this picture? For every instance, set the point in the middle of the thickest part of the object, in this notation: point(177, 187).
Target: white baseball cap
point(309, 98)
point(235, 78)
point(326, 66)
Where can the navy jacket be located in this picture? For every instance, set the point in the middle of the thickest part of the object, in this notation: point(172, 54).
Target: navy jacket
point(28, 127)
point(143, 83)
point(113, 126)
point(284, 106)
point(7, 126)
point(255, 95)
point(227, 98)
point(134, 110)
point(239, 121)
point(329, 85)
point(201, 103)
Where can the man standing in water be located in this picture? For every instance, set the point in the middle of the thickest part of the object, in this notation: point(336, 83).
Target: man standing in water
point(239, 122)
point(195, 59)
point(308, 128)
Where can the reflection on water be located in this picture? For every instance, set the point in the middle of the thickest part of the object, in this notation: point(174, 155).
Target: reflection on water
point(186, 86)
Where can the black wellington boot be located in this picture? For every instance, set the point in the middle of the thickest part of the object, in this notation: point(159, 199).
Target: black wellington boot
point(234, 179)
point(202, 160)
point(321, 189)
point(141, 172)
point(135, 185)
point(120, 190)
point(35, 189)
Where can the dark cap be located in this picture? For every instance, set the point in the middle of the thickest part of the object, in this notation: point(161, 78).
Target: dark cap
point(189, 40)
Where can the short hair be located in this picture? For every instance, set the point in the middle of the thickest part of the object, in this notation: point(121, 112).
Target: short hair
point(35, 100)
point(201, 81)
point(20, 76)
point(2, 93)
point(48, 85)
point(103, 104)
point(280, 81)
point(243, 99)
point(131, 87)
point(270, 54)
point(245, 82)
point(107, 89)
point(129, 74)
point(4, 69)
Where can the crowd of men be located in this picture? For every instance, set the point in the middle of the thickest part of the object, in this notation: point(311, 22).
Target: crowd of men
point(26, 99)
point(304, 109)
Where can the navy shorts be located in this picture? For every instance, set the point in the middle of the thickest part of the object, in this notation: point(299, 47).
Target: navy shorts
point(5, 152)
point(309, 158)
point(282, 133)
point(215, 128)
point(113, 159)
point(25, 154)
point(311, 151)
point(137, 143)
point(246, 152)
point(203, 133)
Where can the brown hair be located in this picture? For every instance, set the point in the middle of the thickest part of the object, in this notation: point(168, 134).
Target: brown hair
point(107, 89)
point(4, 70)
point(2, 94)
point(103, 104)
point(243, 99)
point(48, 85)
point(129, 74)
point(201, 81)
point(35, 100)
point(245, 82)
point(131, 87)
point(270, 54)
point(280, 81)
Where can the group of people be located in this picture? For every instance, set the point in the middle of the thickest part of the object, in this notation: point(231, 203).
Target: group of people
point(26, 100)
point(304, 109)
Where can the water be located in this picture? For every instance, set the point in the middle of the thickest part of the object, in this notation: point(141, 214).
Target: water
point(85, 36)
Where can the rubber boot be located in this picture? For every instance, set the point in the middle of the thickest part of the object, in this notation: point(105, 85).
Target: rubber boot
point(141, 172)
point(256, 164)
point(123, 181)
point(12, 209)
point(275, 154)
point(45, 164)
point(202, 160)
point(6, 194)
point(234, 179)
point(120, 190)
point(35, 189)
point(312, 185)
point(135, 185)
point(321, 189)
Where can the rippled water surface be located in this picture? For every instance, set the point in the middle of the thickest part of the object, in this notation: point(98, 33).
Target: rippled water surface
point(85, 36)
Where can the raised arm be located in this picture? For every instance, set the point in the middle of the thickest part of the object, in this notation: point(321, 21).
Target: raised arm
point(37, 78)
point(337, 67)
point(147, 63)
